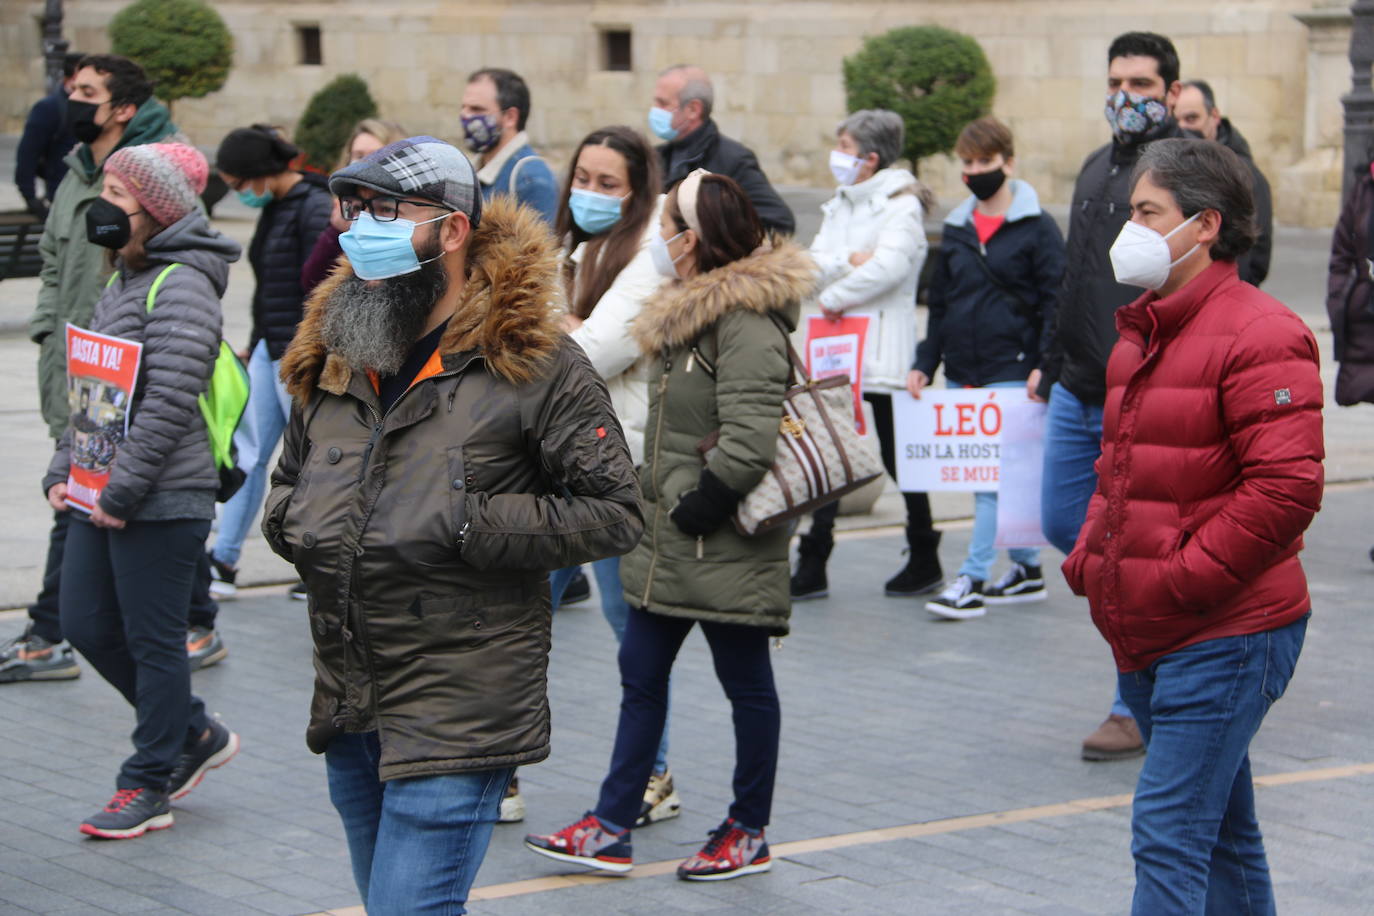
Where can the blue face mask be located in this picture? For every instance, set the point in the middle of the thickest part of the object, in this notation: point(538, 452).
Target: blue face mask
point(380, 251)
point(254, 199)
point(594, 213)
point(661, 123)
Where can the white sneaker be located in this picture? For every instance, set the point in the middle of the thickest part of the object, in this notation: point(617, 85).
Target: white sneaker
point(961, 599)
point(512, 806)
point(1020, 584)
point(661, 800)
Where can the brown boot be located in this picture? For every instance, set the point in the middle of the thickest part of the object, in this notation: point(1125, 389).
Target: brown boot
point(1117, 738)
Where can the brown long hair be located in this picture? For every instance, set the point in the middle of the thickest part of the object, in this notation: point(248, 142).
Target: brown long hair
point(608, 253)
point(730, 226)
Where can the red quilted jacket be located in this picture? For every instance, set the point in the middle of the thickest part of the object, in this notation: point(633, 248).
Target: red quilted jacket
point(1211, 470)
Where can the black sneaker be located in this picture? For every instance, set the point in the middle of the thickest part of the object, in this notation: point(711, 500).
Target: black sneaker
point(30, 657)
point(809, 580)
point(297, 592)
point(961, 599)
point(222, 577)
point(577, 590)
point(131, 813)
point(204, 647)
point(214, 750)
point(1021, 583)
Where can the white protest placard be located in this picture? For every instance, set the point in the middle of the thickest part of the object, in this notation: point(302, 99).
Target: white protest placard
point(1023, 462)
point(950, 439)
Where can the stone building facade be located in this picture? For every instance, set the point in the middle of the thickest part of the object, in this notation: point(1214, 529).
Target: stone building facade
point(1278, 67)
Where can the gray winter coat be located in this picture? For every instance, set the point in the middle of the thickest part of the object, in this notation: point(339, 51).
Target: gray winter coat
point(164, 469)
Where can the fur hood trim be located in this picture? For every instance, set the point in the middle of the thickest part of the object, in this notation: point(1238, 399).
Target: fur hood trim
point(507, 314)
point(770, 280)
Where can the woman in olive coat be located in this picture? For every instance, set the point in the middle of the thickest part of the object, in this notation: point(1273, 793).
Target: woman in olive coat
point(718, 335)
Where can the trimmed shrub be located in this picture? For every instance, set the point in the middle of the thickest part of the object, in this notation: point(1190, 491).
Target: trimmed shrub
point(184, 45)
point(329, 119)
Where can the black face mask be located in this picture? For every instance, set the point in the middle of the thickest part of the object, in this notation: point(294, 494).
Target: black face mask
point(81, 120)
point(107, 225)
point(985, 184)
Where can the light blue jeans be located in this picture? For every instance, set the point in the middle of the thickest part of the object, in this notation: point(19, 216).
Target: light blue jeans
point(616, 611)
point(416, 843)
point(981, 552)
point(264, 419)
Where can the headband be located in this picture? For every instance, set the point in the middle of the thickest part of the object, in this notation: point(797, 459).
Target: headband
point(687, 199)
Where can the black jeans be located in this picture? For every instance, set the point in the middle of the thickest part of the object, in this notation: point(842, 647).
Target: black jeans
point(124, 599)
point(45, 612)
point(203, 608)
point(745, 670)
point(918, 519)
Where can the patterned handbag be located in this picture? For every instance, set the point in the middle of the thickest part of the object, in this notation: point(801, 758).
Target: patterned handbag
point(819, 458)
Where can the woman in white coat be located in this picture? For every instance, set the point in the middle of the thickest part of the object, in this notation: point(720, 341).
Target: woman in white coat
point(870, 249)
point(608, 212)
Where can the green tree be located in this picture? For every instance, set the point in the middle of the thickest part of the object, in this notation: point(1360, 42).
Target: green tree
point(935, 78)
point(184, 45)
point(329, 118)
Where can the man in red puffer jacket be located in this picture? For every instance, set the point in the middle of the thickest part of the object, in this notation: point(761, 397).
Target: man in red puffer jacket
point(1210, 472)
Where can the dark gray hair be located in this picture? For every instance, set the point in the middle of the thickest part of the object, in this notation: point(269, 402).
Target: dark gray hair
point(875, 130)
point(1209, 98)
point(697, 88)
point(1205, 175)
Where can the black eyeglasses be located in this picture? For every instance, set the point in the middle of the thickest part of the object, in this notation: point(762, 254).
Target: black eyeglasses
point(383, 209)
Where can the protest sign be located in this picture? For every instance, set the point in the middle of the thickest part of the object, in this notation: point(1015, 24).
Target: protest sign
point(1023, 461)
point(101, 373)
point(836, 347)
point(950, 438)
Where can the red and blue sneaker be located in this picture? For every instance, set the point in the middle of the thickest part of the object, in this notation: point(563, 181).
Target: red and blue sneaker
point(586, 842)
point(731, 852)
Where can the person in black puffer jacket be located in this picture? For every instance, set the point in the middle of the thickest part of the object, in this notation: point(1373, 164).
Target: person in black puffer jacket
point(132, 552)
point(255, 163)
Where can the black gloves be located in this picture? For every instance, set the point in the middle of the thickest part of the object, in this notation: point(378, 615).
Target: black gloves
point(702, 510)
point(38, 207)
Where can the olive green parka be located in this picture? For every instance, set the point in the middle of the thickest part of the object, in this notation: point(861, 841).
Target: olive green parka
point(425, 533)
point(733, 317)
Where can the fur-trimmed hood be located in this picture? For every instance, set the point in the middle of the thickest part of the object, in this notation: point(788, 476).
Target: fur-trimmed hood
point(775, 279)
point(507, 314)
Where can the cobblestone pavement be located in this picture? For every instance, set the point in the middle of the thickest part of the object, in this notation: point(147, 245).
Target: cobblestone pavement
point(890, 719)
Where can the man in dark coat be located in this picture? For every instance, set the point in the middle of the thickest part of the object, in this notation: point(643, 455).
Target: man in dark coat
point(683, 97)
point(1197, 113)
point(1142, 86)
point(45, 143)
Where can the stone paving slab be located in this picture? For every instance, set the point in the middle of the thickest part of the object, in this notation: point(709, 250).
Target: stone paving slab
point(889, 718)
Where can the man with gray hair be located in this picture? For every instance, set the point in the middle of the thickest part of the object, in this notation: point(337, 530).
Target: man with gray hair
point(449, 446)
point(1197, 113)
point(683, 98)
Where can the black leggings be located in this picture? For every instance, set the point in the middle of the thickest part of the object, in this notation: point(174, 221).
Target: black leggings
point(124, 597)
point(918, 518)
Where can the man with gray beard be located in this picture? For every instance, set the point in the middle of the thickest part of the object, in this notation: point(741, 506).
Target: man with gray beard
point(448, 446)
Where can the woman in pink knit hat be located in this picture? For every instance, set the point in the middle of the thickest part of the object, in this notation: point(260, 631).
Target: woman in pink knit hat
point(133, 547)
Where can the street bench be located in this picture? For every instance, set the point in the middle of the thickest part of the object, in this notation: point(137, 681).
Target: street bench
point(19, 234)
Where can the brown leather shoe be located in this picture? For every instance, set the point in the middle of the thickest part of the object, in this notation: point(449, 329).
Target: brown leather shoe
point(1117, 738)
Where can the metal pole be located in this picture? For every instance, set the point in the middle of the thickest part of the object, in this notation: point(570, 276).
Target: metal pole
point(1359, 102)
point(54, 45)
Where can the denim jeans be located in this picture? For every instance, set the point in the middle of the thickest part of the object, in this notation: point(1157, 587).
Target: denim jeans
point(981, 552)
point(1194, 836)
point(124, 598)
point(264, 419)
point(745, 670)
point(615, 609)
point(1073, 442)
point(415, 843)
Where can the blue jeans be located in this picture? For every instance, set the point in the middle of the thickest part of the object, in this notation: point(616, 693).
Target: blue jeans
point(981, 552)
point(415, 843)
point(1073, 443)
point(616, 611)
point(1194, 836)
point(264, 419)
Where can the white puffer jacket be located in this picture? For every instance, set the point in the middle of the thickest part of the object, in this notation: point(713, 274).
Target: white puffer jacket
point(605, 336)
point(882, 215)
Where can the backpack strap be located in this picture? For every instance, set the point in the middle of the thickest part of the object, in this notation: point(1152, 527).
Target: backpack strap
point(157, 284)
point(515, 172)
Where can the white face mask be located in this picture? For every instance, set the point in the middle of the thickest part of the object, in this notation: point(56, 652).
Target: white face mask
point(1140, 255)
point(845, 167)
point(664, 262)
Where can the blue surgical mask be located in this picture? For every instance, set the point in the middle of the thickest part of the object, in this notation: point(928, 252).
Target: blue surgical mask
point(254, 199)
point(380, 251)
point(663, 259)
point(594, 213)
point(661, 123)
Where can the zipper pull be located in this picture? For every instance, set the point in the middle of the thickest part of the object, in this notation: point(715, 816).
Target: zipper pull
point(701, 548)
point(691, 360)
